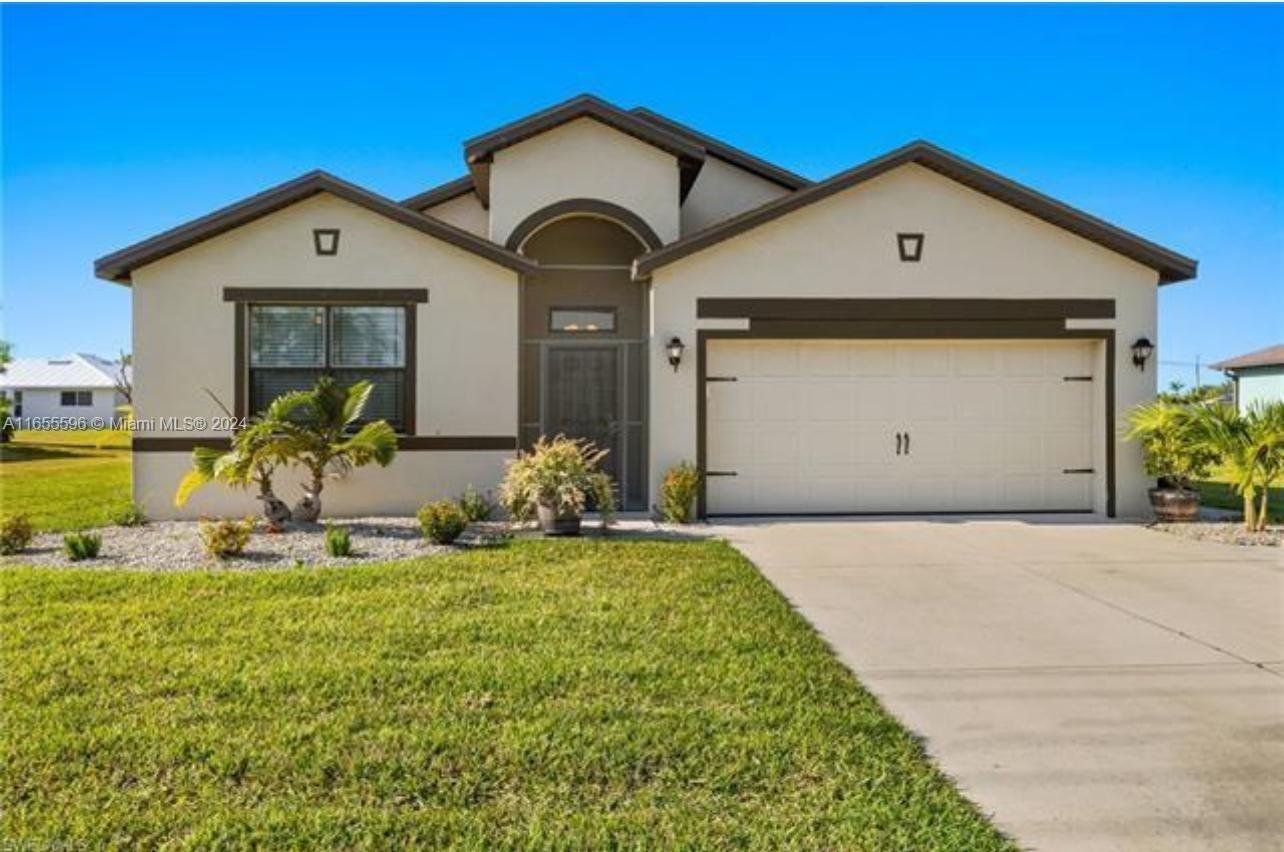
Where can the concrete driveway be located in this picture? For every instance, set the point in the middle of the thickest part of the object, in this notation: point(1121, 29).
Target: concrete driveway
point(1092, 686)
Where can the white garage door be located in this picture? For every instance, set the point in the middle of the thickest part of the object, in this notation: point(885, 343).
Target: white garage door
point(877, 426)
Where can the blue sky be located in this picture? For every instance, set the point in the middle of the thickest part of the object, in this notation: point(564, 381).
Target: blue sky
point(121, 121)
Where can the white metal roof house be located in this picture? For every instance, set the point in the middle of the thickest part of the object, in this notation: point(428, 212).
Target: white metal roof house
point(914, 334)
point(79, 386)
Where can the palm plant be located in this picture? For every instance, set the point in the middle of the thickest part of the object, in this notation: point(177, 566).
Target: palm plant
point(256, 453)
point(1250, 447)
point(319, 425)
point(1169, 438)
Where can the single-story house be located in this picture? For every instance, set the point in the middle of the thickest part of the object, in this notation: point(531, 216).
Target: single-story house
point(78, 387)
point(914, 334)
point(1258, 376)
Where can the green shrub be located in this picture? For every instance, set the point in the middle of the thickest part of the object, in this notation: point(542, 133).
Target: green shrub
point(477, 506)
point(81, 545)
point(1175, 451)
point(226, 538)
point(130, 515)
point(16, 533)
point(561, 473)
point(442, 522)
point(678, 493)
point(338, 541)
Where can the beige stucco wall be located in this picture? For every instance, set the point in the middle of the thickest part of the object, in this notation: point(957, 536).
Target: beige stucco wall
point(721, 191)
point(466, 344)
point(584, 159)
point(845, 247)
point(465, 212)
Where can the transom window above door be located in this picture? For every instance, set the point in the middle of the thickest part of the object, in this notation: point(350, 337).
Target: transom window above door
point(291, 346)
point(581, 320)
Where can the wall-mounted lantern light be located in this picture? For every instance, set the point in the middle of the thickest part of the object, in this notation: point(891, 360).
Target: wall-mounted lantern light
point(910, 247)
point(325, 241)
point(674, 349)
point(1141, 352)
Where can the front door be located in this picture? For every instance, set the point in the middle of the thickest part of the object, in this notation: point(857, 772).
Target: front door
point(583, 400)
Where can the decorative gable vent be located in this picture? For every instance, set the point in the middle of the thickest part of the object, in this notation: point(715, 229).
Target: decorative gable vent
point(910, 247)
point(326, 241)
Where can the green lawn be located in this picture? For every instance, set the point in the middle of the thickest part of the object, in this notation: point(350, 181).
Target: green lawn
point(65, 480)
point(570, 695)
point(1218, 493)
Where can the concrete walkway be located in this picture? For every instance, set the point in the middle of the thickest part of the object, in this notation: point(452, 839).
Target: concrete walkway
point(1092, 686)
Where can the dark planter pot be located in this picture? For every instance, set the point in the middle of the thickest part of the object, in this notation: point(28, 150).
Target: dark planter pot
point(553, 524)
point(1175, 505)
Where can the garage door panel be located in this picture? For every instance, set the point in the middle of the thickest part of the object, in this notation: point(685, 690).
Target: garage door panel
point(728, 401)
point(811, 426)
point(776, 359)
point(827, 359)
point(873, 362)
point(830, 401)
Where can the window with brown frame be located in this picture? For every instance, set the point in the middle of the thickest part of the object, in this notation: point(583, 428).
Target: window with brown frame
point(291, 346)
point(581, 320)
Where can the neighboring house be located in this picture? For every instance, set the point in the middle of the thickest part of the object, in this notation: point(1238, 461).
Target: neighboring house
point(79, 386)
point(916, 334)
point(1258, 376)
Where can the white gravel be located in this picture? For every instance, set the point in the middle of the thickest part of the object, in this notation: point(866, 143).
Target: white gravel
point(176, 546)
point(1226, 532)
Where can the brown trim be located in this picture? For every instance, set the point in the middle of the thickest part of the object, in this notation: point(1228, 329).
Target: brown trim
point(325, 295)
point(118, 266)
point(939, 330)
point(479, 150)
point(457, 442)
point(405, 443)
point(904, 309)
point(410, 371)
point(440, 194)
point(166, 444)
point(1170, 265)
point(727, 153)
point(593, 207)
point(909, 246)
point(241, 361)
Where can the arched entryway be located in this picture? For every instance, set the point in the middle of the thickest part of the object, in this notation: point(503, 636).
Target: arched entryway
point(583, 335)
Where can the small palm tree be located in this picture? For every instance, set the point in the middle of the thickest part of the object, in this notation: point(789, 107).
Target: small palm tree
point(256, 453)
point(320, 437)
point(1250, 447)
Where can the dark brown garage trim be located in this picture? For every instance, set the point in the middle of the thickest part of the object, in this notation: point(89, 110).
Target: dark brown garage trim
point(905, 309)
point(934, 330)
point(405, 443)
point(440, 194)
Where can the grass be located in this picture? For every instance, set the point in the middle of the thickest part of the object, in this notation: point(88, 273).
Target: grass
point(65, 480)
point(1218, 493)
point(570, 695)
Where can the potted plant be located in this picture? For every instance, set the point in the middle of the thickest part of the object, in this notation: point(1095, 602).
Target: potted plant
point(1176, 453)
point(554, 482)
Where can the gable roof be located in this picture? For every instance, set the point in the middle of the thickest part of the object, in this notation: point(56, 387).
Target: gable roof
point(75, 371)
point(1271, 356)
point(440, 194)
point(1170, 265)
point(117, 266)
point(728, 153)
point(480, 150)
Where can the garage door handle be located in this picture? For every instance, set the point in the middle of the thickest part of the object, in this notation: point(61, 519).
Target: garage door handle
point(1077, 470)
